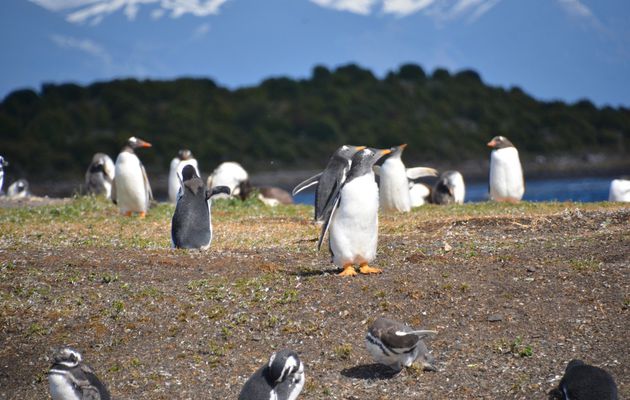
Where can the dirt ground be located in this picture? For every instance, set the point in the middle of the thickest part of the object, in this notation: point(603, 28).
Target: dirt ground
point(514, 292)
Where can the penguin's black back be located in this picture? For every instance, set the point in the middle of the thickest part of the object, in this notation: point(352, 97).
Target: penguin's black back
point(258, 386)
point(586, 382)
point(440, 193)
point(190, 227)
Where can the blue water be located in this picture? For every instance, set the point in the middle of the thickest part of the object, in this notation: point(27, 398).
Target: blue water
point(567, 189)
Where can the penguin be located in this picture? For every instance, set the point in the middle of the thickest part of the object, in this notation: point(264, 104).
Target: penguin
point(18, 189)
point(269, 195)
point(3, 163)
point(353, 218)
point(191, 226)
point(329, 180)
point(585, 382)
point(100, 175)
point(394, 181)
point(419, 193)
point(506, 173)
point(619, 190)
point(449, 189)
point(396, 345)
point(230, 174)
point(70, 379)
point(280, 379)
point(131, 190)
point(184, 157)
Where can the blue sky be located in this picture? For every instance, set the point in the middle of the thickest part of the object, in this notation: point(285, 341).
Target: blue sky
point(552, 49)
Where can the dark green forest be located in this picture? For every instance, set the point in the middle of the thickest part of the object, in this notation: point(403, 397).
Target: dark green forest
point(295, 123)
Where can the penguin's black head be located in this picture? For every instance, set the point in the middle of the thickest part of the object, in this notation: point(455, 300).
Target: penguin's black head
point(66, 356)
point(284, 365)
point(574, 363)
point(499, 142)
point(184, 154)
point(188, 173)
point(135, 143)
point(347, 151)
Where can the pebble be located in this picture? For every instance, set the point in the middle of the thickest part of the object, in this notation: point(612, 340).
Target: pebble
point(495, 318)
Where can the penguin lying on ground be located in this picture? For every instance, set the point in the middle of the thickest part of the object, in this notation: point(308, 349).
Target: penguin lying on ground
point(3, 163)
point(584, 382)
point(18, 189)
point(99, 176)
point(353, 218)
point(396, 345)
point(449, 189)
point(506, 174)
point(131, 190)
point(619, 190)
point(281, 379)
point(329, 180)
point(270, 195)
point(230, 174)
point(191, 226)
point(70, 379)
point(184, 157)
point(419, 193)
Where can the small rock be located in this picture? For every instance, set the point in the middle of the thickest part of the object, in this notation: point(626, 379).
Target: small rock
point(447, 247)
point(495, 318)
point(531, 269)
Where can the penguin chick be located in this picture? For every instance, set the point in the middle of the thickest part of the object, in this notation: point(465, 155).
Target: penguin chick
point(506, 173)
point(396, 345)
point(449, 189)
point(99, 176)
point(585, 382)
point(281, 379)
point(191, 226)
point(70, 379)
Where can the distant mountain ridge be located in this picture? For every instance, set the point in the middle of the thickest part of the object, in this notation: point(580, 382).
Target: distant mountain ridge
point(291, 123)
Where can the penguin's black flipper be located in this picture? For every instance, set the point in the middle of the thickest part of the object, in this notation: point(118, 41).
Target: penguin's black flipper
point(329, 215)
point(313, 180)
point(217, 190)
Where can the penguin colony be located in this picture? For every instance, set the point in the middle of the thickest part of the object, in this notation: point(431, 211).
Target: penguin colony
point(347, 202)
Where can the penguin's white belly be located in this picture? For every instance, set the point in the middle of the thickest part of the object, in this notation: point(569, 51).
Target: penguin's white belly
point(418, 193)
point(354, 226)
point(619, 190)
point(173, 181)
point(131, 193)
point(394, 191)
point(506, 175)
point(459, 189)
point(60, 389)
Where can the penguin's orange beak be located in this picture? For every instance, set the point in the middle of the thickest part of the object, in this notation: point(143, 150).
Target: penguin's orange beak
point(386, 151)
point(359, 148)
point(492, 143)
point(142, 143)
point(402, 146)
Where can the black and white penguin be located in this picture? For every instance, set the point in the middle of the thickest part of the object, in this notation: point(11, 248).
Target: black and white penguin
point(99, 176)
point(396, 345)
point(353, 218)
point(18, 189)
point(619, 190)
point(506, 173)
point(449, 189)
point(280, 379)
point(131, 190)
point(394, 181)
point(419, 193)
point(3, 163)
point(184, 157)
point(230, 174)
point(585, 382)
point(70, 379)
point(191, 226)
point(329, 180)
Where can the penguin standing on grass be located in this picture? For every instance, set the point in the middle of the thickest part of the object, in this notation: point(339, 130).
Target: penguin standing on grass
point(184, 157)
point(280, 379)
point(329, 180)
point(132, 191)
point(191, 226)
point(353, 219)
point(506, 173)
point(99, 176)
point(70, 379)
point(585, 382)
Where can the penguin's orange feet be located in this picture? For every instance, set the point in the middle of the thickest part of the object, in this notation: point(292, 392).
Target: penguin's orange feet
point(142, 214)
point(128, 213)
point(366, 269)
point(348, 270)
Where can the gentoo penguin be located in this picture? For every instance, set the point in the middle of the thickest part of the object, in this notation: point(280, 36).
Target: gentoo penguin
point(397, 345)
point(132, 191)
point(506, 174)
point(619, 190)
point(329, 180)
point(3, 163)
point(419, 193)
point(269, 195)
point(280, 379)
point(70, 379)
point(394, 181)
point(191, 226)
point(18, 189)
point(184, 157)
point(230, 174)
point(585, 382)
point(353, 218)
point(449, 189)
point(100, 175)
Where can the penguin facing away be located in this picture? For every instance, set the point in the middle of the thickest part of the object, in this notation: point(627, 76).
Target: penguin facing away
point(70, 379)
point(619, 190)
point(329, 180)
point(506, 173)
point(191, 226)
point(99, 176)
point(449, 189)
point(585, 382)
point(280, 379)
point(396, 345)
point(353, 218)
point(131, 190)
point(184, 157)
point(3, 163)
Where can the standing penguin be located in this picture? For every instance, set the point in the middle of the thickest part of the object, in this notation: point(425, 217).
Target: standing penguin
point(329, 180)
point(449, 189)
point(585, 382)
point(353, 218)
point(70, 379)
point(184, 157)
point(506, 174)
point(281, 379)
point(396, 345)
point(191, 226)
point(394, 182)
point(3, 164)
point(132, 191)
point(99, 176)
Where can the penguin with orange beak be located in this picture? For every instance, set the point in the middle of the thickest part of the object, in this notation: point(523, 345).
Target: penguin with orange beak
point(131, 190)
point(506, 173)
